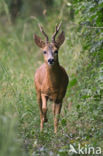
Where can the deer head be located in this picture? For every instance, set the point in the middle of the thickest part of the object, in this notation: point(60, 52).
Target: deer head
point(50, 49)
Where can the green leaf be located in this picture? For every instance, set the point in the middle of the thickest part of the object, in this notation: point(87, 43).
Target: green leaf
point(73, 82)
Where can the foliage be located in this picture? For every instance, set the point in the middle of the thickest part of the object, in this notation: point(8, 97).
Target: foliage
point(81, 55)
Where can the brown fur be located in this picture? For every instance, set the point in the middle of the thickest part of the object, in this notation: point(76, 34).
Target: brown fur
point(50, 81)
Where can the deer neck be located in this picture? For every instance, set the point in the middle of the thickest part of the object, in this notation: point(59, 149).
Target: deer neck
point(53, 75)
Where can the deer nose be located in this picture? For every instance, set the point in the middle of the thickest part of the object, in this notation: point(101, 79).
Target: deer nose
point(50, 61)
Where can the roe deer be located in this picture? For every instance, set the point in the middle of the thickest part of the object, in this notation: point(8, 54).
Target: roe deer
point(50, 79)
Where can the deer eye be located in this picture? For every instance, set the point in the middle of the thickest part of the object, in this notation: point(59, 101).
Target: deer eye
point(44, 52)
point(56, 52)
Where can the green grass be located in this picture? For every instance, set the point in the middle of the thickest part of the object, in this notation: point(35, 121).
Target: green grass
point(81, 116)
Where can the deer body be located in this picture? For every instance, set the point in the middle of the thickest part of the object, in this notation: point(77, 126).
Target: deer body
point(51, 81)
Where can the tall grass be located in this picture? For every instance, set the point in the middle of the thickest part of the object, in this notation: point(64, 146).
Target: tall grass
point(19, 113)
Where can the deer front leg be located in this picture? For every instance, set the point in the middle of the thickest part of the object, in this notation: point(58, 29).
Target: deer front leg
point(42, 100)
point(41, 113)
point(56, 112)
point(44, 107)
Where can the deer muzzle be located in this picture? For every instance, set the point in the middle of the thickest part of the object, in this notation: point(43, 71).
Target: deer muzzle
point(50, 61)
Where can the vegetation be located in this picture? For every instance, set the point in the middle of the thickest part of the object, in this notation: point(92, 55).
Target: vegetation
point(81, 55)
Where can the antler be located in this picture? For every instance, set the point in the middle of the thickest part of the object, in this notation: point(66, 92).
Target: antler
point(56, 31)
point(43, 32)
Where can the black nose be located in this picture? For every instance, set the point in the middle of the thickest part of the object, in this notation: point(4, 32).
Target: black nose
point(50, 61)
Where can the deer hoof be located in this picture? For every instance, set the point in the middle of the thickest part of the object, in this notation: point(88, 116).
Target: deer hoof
point(45, 120)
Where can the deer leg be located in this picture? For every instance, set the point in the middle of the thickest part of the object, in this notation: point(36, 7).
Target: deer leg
point(41, 113)
point(56, 112)
point(44, 107)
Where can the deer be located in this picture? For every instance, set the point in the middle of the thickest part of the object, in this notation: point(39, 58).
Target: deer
point(51, 79)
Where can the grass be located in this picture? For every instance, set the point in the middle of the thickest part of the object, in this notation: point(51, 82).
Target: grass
point(19, 112)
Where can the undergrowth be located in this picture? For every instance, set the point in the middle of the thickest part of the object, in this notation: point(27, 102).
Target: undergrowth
point(81, 119)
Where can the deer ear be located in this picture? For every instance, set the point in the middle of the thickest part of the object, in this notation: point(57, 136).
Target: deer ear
point(60, 39)
point(39, 42)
